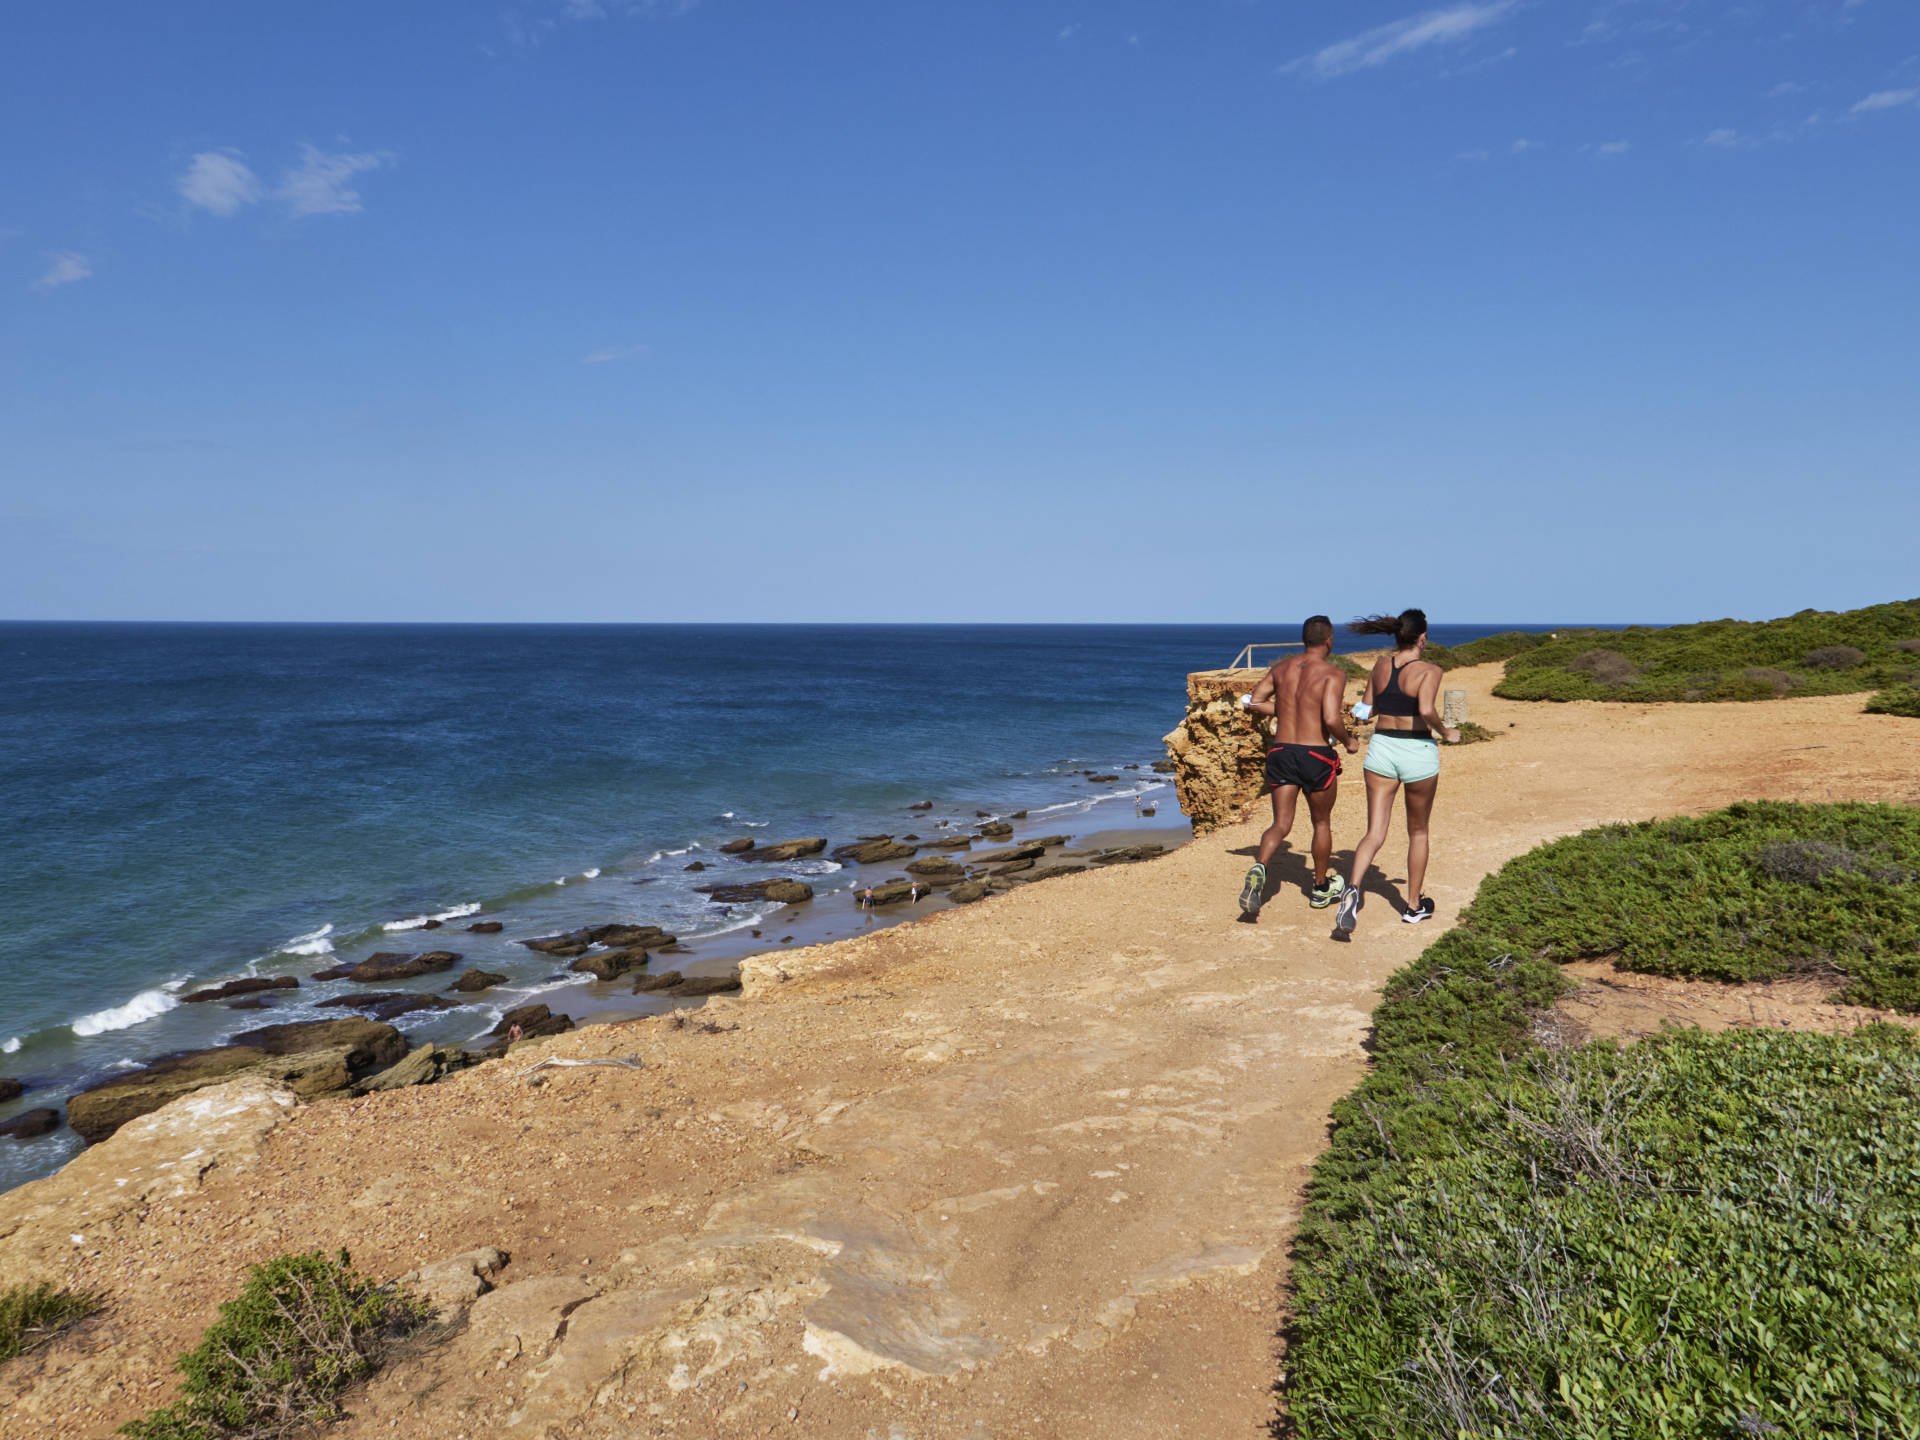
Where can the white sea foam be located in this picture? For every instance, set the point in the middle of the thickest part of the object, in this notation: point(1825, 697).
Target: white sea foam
point(756, 824)
point(726, 815)
point(416, 922)
point(144, 1006)
point(313, 943)
point(688, 851)
point(593, 874)
point(11, 1046)
point(656, 857)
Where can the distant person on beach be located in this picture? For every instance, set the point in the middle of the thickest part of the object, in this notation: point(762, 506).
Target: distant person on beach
point(1402, 692)
point(1303, 693)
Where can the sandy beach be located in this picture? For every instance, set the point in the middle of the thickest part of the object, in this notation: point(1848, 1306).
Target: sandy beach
point(1023, 1169)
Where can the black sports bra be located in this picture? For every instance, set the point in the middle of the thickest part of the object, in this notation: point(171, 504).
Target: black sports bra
point(1392, 700)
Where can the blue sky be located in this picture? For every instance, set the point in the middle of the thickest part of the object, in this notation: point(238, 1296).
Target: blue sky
point(904, 310)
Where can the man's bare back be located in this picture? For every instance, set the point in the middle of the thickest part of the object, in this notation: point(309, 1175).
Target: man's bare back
point(1303, 694)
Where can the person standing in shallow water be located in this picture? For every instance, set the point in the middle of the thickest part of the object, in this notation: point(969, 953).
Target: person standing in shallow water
point(1303, 693)
point(1404, 751)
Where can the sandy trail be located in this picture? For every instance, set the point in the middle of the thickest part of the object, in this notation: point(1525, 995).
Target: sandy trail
point(1023, 1170)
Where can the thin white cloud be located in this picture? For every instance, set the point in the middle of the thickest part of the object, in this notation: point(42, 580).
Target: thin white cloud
point(1724, 138)
point(1521, 147)
point(1449, 25)
point(1785, 88)
point(1613, 147)
point(1886, 100)
point(218, 182)
point(64, 267)
point(319, 184)
point(611, 353)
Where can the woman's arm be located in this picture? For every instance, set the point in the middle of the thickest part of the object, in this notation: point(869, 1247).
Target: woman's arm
point(1430, 712)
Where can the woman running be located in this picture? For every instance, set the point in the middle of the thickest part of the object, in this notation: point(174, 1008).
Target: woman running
point(1405, 751)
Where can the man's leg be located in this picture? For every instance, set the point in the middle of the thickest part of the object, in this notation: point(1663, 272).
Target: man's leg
point(1320, 807)
point(1285, 797)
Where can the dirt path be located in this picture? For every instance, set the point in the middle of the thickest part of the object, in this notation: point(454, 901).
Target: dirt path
point(1023, 1170)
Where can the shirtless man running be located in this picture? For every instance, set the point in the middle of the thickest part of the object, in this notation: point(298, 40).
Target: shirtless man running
point(1303, 693)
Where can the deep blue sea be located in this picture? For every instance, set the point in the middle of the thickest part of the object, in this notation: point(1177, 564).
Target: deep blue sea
point(183, 804)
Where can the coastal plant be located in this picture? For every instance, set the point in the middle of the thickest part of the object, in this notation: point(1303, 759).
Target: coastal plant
point(1484, 651)
point(1818, 652)
point(1896, 700)
point(1696, 1235)
point(31, 1315)
point(302, 1329)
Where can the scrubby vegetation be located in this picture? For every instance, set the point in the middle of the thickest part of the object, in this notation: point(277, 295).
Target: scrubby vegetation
point(1816, 652)
point(1896, 700)
point(1701, 1235)
point(31, 1315)
point(302, 1329)
point(1484, 651)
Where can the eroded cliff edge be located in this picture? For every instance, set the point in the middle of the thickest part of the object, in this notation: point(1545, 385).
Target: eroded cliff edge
point(1218, 749)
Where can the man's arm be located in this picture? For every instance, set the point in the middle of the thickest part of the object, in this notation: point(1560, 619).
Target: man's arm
point(1261, 702)
point(1333, 690)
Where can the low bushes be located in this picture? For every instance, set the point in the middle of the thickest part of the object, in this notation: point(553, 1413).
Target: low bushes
point(1697, 1235)
point(1896, 700)
point(302, 1329)
point(31, 1315)
point(1812, 653)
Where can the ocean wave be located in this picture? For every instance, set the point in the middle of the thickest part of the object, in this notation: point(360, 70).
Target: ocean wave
point(11, 1046)
point(416, 922)
point(756, 824)
point(593, 874)
point(724, 815)
point(143, 1007)
point(313, 943)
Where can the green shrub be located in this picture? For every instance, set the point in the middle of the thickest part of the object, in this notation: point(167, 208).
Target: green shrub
point(1896, 700)
point(1701, 897)
point(1813, 653)
point(31, 1315)
point(1700, 1235)
point(1485, 650)
point(302, 1329)
point(1472, 732)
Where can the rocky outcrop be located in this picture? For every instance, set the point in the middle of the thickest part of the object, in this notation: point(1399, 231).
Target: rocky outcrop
point(532, 1021)
point(610, 964)
point(996, 830)
point(486, 927)
point(737, 847)
point(1011, 853)
point(937, 867)
point(11, 1089)
point(788, 849)
point(620, 937)
point(449, 1286)
point(232, 988)
point(1218, 750)
point(789, 892)
point(29, 1124)
point(164, 1154)
point(874, 852)
point(386, 1004)
point(472, 980)
point(309, 1058)
point(966, 894)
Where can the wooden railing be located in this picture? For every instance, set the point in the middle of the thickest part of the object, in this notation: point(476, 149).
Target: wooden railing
point(1244, 660)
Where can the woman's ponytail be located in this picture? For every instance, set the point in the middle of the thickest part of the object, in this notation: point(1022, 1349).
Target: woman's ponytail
point(1406, 628)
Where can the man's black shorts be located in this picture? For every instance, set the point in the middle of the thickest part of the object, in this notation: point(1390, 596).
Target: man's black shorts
point(1312, 767)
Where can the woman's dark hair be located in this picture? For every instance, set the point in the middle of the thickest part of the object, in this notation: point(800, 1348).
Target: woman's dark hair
point(1406, 628)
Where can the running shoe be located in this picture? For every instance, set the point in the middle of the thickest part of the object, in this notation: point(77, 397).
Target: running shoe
point(1422, 911)
point(1322, 896)
point(1253, 892)
point(1348, 915)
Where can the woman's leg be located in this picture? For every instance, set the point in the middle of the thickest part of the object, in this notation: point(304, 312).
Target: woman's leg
point(1419, 808)
point(1379, 822)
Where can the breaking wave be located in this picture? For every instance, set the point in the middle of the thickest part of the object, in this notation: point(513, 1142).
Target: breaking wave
point(143, 1007)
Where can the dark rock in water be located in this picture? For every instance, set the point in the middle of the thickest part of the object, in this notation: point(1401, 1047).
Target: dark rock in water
point(11, 1089)
point(609, 964)
point(431, 925)
point(1012, 852)
point(310, 1058)
point(486, 927)
point(697, 865)
point(936, 865)
point(1149, 810)
point(472, 980)
point(391, 965)
point(1013, 867)
point(895, 892)
point(952, 842)
point(31, 1123)
point(1163, 767)
point(996, 830)
point(789, 892)
point(337, 972)
point(909, 839)
point(385, 1005)
point(368, 1041)
point(578, 942)
point(922, 805)
point(737, 847)
point(981, 814)
point(653, 984)
point(879, 852)
point(240, 987)
point(1046, 841)
point(789, 849)
point(966, 894)
point(1129, 767)
point(1101, 779)
point(1018, 815)
point(533, 1020)
point(254, 1002)
point(697, 985)
point(734, 894)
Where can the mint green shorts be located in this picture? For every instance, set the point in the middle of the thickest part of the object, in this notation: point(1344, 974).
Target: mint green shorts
point(1402, 759)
